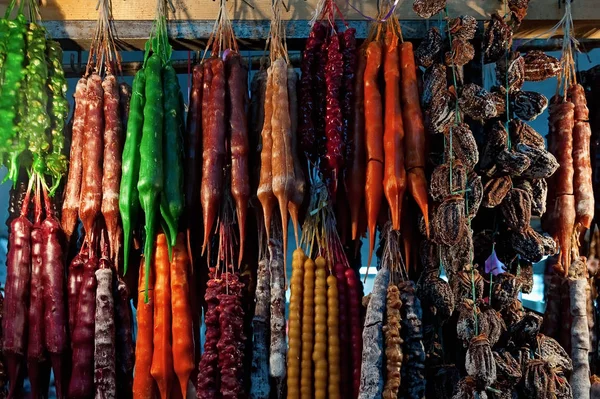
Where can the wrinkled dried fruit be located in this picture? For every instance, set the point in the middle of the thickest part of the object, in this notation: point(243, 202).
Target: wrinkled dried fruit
point(429, 256)
point(456, 257)
point(526, 329)
point(434, 83)
point(522, 133)
point(496, 139)
point(467, 389)
point(514, 66)
point(477, 102)
point(538, 190)
point(513, 163)
point(494, 326)
point(464, 281)
point(516, 209)
point(479, 362)
point(442, 176)
point(463, 27)
point(506, 288)
point(543, 163)
point(513, 313)
point(540, 66)
point(474, 195)
point(461, 54)
point(538, 379)
point(552, 352)
point(466, 324)
point(497, 39)
point(508, 369)
point(499, 97)
point(563, 388)
point(441, 112)
point(464, 146)
point(495, 190)
point(526, 276)
point(429, 49)
point(528, 105)
point(428, 8)
point(550, 246)
point(518, 10)
point(529, 244)
point(435, 294)
point(449, 220)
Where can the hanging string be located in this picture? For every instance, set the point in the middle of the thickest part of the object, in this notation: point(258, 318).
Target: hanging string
point(391, 12)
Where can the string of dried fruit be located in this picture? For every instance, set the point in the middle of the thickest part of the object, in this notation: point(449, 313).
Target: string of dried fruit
point(393, 343)
point(259, 378)
point(231, 339)
point(371, 380)
point(277, 353)
point(207, 385)
point(105, 382)
point(412, 334)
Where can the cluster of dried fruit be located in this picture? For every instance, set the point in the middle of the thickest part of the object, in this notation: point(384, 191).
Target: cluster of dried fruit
point(481, 317)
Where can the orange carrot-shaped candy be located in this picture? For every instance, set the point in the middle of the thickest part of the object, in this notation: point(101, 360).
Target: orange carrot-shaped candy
point(144, 386)
point(183, 339)
point(162, 356)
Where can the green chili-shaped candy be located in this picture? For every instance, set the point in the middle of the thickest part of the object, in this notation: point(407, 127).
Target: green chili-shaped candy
point(58, 107)
point(4, 35)
point(14, 73)
point(129, 199)
point(37, 120)
point(172, 153)
point(151, 179)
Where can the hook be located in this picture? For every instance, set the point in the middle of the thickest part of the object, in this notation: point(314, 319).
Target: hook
point(75, 68)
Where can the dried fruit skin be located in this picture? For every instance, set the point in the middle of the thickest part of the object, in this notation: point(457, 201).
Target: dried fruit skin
point(495, 142)
point(516, 209)
point(506, 289)
point(514, 66)
point(477, 102)
point(458, 256)
point(430, 47)
point(463, 27)
point(497, 38)
point(479, 361)
point(434, 83)
point(522, 133)
point(428, 8)
point(441, 112)
point(461, 53)
point(436, 294)
point(495, 190)
point(540, 66)
point(512, 163)
point(449, 220)
point(463, 283)
point(440, 187)
point(474, 195)
point(464, 146)
point(528, 105)
point(543, 164)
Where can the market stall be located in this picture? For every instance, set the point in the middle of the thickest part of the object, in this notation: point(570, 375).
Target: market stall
point(300, 199)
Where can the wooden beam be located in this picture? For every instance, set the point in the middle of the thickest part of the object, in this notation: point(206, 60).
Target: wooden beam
point(72, 22)
point(69, 10)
